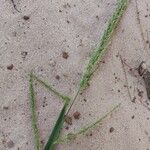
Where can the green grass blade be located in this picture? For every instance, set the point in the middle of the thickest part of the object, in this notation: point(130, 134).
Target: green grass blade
point(98, 53)
point(34, 116)
point(72, 136)
point(56, 130)
point(50, 88)
point(83, 130)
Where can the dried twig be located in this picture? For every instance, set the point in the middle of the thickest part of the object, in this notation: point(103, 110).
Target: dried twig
point(126, 79)
point(14, 5)
point(140, 27)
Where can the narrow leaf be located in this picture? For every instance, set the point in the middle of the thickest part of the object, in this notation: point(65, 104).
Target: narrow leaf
point(72, 136)
point(56, 130)
point(34, 116)
point(50, 88)
point(83, 130)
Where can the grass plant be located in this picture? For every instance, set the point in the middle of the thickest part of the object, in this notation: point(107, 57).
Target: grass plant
point(94, 61)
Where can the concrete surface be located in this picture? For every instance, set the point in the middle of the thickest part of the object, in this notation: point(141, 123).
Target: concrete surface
point(74, 27)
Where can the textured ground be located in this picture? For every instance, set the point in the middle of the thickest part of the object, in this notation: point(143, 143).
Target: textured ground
point(75, 27)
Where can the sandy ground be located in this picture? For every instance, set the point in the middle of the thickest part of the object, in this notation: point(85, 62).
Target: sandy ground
point(75, 27)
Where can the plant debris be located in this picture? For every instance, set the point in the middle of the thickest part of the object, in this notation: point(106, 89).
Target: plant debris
point(10, 144)
point(146, 78)
point(144, 71)
point(65, 55)
point(10, 67)
point(14, 5)
point(5, 107)
point(68, 120)
point(24, 54)
point(133, 100)
point(76, 115)
point(140, 93)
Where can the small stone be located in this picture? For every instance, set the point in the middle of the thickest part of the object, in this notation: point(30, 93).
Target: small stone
point(85, 100)
point(133, 100)
point(10, 67)
point(57, 77)
point(65, 55)
point(10, 144)
point(26, 17)
point(67, 128)
point(68, 21)
point(97, 17)
point(76, 115)
point(111, 129)
point(3, 141)
point(52, 63)
point(133, 117)
point(140, 93)
point(5, 107)
point(68, 120)
point(42, 141)
point(24, 54)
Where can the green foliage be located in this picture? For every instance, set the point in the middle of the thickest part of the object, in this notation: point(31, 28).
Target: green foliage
point(72, 136)
point(101, 49)
point(56, 130)
point(34, 116)
point(91, 67)
point(50, 88)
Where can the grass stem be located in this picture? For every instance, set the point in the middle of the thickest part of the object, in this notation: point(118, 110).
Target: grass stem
point(34, 116)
